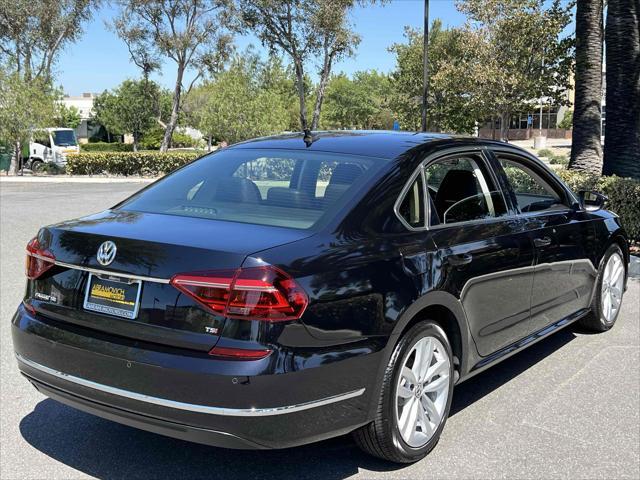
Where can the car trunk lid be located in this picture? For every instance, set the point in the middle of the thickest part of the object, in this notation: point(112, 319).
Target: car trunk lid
point(150, 250)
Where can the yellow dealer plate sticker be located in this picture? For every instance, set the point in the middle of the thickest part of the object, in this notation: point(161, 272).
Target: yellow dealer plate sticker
point(112, 297)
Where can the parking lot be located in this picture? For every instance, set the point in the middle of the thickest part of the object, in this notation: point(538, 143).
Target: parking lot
point(568, 407)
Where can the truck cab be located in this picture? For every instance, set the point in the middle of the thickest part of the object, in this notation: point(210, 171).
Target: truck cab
point(52, 145)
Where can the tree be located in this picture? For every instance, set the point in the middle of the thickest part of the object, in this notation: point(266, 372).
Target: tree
point(304, 30)
point(450, 106)
point(359, 103)
point(25, 107)
point(33, 32)
point(66, 117)
point(130, 108)
point(236, 105)
point(567, 120)
point(519, 52)
point(586, 148)
point(195, 34)
point(622, 130)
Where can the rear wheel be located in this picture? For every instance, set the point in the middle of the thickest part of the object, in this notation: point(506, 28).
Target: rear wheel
point(607, 300)
point(415, 398)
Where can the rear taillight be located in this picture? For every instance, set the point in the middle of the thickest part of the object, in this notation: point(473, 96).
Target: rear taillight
point(38, 260)
point(255, 293)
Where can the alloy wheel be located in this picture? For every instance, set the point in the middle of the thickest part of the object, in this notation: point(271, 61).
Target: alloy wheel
point(612, 286)
point(422, 391)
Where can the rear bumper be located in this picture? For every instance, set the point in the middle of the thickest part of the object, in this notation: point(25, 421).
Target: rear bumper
point(192, 397)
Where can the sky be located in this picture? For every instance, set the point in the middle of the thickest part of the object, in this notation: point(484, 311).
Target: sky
point(100, 60)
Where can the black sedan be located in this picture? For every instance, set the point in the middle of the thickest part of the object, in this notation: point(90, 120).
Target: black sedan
point(288, 289)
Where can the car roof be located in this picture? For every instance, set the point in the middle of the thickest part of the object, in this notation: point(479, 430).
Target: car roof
point(373, 143)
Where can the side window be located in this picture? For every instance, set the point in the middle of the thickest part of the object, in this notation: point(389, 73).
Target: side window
point(533, 192)
point(461, 189)
point(412, 207)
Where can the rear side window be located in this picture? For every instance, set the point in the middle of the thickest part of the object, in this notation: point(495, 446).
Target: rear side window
point(412, 208)
point(290, 188)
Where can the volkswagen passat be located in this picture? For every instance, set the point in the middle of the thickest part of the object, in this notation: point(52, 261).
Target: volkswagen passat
point(283, 291)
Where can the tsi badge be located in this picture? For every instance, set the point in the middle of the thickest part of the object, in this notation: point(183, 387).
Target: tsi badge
point(106, 253)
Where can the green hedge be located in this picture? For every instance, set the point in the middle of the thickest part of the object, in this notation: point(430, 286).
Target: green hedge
point(106, 147)
point(623, 193)
point(128, 163)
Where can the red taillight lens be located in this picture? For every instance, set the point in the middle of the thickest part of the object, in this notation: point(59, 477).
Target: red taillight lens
point(239, 353)
point(256, 293)
point(38, 260)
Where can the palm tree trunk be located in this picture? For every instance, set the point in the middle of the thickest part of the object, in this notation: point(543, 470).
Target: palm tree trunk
point(622, 130)
point(586, 147)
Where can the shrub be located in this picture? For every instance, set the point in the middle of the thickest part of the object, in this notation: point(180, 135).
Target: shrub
point(559, 160)
point(128, 163)
point(623, 193)
point(152, 140)
point(106, 147)
point(567, 120)
point(545, 152)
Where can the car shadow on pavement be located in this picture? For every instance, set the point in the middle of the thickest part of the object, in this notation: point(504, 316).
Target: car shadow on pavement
point(108, 450)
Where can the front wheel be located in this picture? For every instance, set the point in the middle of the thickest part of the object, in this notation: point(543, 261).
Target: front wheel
point(415, 398)
point(607, 300)
point(36, 166)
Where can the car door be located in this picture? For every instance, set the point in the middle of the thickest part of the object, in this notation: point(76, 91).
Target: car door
point(485, 255)
point(562, 235)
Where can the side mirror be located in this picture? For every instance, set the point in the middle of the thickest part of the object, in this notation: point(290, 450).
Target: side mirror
point(592, 201)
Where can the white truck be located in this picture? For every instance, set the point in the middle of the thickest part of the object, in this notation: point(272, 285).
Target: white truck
point(52, 145)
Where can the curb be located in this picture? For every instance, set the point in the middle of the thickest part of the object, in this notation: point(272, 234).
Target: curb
point(77, 179)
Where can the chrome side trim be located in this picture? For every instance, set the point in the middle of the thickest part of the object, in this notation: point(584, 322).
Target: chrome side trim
point(97, 271)
point(163, 402)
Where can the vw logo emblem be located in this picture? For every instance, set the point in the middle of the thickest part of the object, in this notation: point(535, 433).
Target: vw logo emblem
point(106, 253)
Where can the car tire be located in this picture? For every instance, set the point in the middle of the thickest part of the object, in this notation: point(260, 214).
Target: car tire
point(385, 437)
point(36, 165)
point(609, 290)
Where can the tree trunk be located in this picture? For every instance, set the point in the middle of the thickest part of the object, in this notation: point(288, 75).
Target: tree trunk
point(324, 79)
point(175, 110)
point(136, 140)
point(504, 126)
point(16, 159)
point(622, 129)
point(586, 148)
point(301, 94)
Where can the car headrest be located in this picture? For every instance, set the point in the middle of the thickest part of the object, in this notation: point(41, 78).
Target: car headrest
point(236, 189)
point(345, 174)
point(456, 185)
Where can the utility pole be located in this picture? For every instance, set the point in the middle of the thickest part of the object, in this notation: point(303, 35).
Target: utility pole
point(425, 60)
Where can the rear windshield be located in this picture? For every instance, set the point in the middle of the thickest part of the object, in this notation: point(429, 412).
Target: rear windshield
point(285, 188)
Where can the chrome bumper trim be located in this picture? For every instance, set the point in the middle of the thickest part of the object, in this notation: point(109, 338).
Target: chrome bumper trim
point(97, 271)
point(163, 402)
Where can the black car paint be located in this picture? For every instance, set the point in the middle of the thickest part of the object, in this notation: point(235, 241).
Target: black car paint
point(367, 277)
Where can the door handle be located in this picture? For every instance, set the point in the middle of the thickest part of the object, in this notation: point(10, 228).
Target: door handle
point(459, 260)
point(542, 242)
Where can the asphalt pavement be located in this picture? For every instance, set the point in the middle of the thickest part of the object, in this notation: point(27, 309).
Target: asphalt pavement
point(568, 407)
